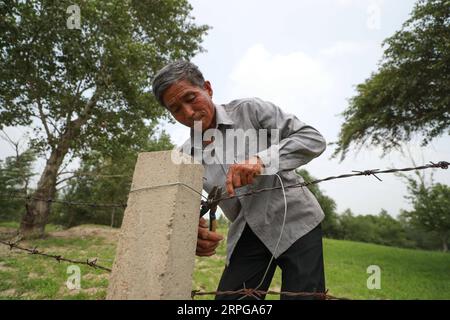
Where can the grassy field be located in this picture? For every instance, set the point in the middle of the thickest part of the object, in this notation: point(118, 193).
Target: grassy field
point(405, 274)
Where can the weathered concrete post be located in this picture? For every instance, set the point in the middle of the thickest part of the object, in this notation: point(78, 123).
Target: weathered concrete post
point(155, 256)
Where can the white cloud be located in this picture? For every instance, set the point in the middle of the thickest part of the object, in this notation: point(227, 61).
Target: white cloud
point(346, 3)
point(349, 3)
point(342, 48)
point(294, 80)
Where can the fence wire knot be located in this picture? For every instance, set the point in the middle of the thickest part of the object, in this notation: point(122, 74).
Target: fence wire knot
point(92, 263)
point(369, 173)
point(249, 292)
point(441, 164)
point(194, 293)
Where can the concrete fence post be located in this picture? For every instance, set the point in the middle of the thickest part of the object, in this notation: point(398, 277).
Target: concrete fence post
point(155, 255)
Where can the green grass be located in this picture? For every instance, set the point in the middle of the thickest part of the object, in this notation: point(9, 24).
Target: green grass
point(15, 225)
point(25, 276)
point(405, 273)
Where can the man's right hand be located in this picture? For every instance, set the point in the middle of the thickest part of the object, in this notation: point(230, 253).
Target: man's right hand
point(207, 241)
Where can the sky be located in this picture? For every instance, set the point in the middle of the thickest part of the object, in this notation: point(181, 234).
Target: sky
point(306, 56)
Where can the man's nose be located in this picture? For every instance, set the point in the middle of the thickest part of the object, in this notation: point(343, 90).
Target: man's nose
point(189, 112)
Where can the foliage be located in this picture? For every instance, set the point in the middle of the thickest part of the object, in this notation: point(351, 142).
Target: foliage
point(86, 90)
point(15, 174)
point(99, 75)
point(409, 93)
point(328, 205)
point(431, 209)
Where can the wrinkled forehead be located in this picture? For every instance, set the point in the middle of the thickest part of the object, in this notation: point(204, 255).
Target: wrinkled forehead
point(177, 91)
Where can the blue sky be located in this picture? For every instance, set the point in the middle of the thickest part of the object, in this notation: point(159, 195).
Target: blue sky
point(307, 57)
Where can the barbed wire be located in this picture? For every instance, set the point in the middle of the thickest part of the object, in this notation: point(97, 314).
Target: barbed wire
point(373, 172)
point(95, 175)
point(92, 176)
point(70, 203)
point(258, 294)
point(34, 251)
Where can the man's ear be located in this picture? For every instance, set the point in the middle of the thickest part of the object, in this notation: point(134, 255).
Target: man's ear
point(208, 88)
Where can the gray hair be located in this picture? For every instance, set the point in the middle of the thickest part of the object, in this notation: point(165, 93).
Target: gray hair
point(174, 72)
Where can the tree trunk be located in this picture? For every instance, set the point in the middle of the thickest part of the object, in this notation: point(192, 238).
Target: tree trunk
point(444, 243)
point(38, 207)
point(112, 217)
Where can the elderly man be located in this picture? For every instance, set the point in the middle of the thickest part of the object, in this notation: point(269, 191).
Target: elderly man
point(280, 227)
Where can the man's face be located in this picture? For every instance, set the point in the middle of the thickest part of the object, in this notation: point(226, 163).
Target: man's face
point(189, 103)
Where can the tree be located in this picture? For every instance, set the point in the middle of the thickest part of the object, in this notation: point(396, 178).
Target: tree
point(328, 205)
point(389, 230)
point(15, 174)
point(417, 237)
point(419, 185)
point(381, 229)
point(356, 228)
point(409, 93)
point(89, 88)
point(431, 209)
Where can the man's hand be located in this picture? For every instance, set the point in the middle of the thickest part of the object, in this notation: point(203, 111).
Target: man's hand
point(241, 174)
point(207, 241)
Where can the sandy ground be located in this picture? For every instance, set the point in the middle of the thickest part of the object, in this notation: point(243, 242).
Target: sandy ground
point(109, 234)
point(82, 231)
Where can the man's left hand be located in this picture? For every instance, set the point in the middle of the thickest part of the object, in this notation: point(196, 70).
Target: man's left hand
point(241, 174)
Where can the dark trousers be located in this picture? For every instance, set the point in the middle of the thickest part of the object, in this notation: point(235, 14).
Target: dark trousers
point(301, 266)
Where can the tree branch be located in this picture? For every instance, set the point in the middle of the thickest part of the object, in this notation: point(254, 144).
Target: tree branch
point(43, 118)
point(53, 123)
point(13, 143)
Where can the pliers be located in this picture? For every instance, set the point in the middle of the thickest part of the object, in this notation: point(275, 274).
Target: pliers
point(211, 205)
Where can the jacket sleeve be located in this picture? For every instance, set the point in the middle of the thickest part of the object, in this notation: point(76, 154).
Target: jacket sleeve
point(297, 143)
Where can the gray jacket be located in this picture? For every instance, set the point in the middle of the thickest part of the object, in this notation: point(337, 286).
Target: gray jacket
point(298, 144)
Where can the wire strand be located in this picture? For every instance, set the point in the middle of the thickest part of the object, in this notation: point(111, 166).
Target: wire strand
point(279, 239)
point(168, 185)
